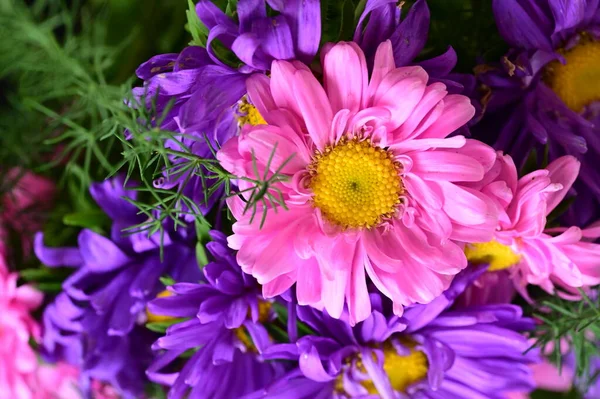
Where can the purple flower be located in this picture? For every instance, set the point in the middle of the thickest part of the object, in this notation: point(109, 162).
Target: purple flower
point(433, 351)
point(408, 37)
point(206, 96)
point(545, 90)
point(96, 322)
point(224, 332)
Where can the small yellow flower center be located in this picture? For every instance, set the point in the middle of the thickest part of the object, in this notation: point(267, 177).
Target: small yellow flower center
point(155, 318)
point(248, 114)
point(577, 82)
point(402, 370)
point(498, 256)
point(355, 183)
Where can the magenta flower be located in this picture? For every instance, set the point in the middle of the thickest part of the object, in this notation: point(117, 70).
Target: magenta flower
point(374, 183)
point(532, 255)
point(18, 361)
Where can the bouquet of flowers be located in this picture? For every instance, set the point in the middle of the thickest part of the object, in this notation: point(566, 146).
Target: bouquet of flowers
point(300, 199)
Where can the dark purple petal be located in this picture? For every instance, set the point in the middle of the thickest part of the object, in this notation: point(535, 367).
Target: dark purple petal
point(441, 65)
point(155, 65)
point(304, 19)
point(567, 13)
point(518, 27)
point(275, 36)
point(411, 35)
point(248, 11)
point(383, 20)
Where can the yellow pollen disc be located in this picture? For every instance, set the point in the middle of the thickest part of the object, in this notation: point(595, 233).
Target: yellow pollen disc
point(249, 115)
point(577, 82)
point(155, 318)
point(355, 183)
point(402, 370)
point(497, 255)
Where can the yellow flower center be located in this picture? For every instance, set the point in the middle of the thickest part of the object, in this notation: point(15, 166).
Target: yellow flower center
point(498, 256)
point(355, 183)
point(248, 114)
point(577, 82)
point(155, 318)
point(402, 370)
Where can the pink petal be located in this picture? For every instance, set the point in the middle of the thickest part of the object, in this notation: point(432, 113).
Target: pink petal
point(446, 166)
point(384, 64)
point(426, 144)
point(282, 85)
point(457, 111)
point(314, 107)
point(400, 92)
point(425, 113)
point(308, 286)
point(564, 171)
point(259, 91)
point(466, 206)
point(345, 76)
point(357, 295)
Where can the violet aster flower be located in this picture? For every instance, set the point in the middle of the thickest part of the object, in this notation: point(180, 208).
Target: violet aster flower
point(432, 352)
point(224, 331)
point(207, 97)
point(546, 90)
point(95, 322)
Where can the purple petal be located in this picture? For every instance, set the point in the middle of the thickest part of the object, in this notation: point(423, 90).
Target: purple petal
point(99, 253)
point(383, 20)
point(567, 13)
point(236, 314)
point(248, 12)
point(441, 65)
point(56, 257)
point(304, 18)
point(311, 366)
point(276, 37)
point(409, 38)
point(518, 27)
point(155, 65)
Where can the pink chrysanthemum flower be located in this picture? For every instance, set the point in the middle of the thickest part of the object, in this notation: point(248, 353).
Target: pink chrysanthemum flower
point(522, 249)
point(18, 361)
point(375, 185)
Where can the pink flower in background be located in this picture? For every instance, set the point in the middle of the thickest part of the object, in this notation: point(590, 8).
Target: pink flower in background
point(18, 361)
point(375, 186)
point(28, 197)
point(522, 247)
point(57, 381)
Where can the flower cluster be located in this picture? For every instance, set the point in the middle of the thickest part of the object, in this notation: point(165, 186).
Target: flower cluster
point(358, 222)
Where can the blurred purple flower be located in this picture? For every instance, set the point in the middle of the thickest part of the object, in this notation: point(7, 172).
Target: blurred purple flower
point(96, 323)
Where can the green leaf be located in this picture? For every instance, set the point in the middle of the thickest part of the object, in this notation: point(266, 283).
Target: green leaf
point(161, 327)
point(93, 219)
point(231, 9)
point(43, 273)
point(559, 210)
point(197, 29)
point(49, 287)
point(347, 24)
point(167, 281)
point(530, 164)
point(201, 256)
